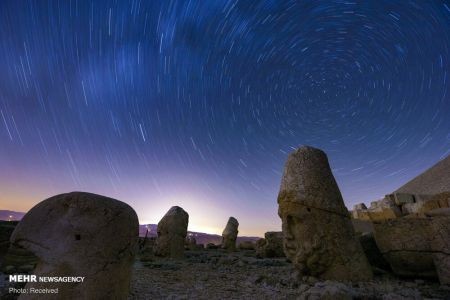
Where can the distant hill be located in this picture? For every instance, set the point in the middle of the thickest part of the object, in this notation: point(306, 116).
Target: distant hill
point(433, 181)
point(9, 215)
point(201, 238)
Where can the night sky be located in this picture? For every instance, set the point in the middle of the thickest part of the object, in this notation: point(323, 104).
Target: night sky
point(198, 103)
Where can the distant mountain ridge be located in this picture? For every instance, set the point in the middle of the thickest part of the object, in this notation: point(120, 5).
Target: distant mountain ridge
point(200, 237)
point(9, 215)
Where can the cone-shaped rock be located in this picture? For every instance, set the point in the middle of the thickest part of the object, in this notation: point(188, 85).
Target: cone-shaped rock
point(229, 234)
point(81, 234)
point(172, 231)
point(318, 236)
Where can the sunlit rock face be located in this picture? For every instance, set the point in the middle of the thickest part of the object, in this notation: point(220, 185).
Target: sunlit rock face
point(318, 236)
point(81, 234)
point(229, 234)
point(172, 231)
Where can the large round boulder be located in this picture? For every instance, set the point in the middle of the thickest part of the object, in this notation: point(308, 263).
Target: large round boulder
point(81, 234)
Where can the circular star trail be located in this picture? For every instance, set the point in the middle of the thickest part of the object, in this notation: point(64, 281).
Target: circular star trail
point(198, 103)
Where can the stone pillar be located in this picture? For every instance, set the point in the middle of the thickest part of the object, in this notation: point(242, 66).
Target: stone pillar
point(172, 231)
point(229, 234)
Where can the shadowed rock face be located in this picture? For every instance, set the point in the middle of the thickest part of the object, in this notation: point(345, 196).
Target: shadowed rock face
point(81, 234)
point(317, 232)
point(271, 245)
point(229, 234)
point(440, 243)
point(417, 246)
point(172, 231)
point(6, 229)
point(404, 245)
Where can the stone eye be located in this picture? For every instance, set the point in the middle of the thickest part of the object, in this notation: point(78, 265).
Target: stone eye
point(77, 237)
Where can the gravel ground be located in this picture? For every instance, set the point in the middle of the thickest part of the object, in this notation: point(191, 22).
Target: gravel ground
point(215, 274)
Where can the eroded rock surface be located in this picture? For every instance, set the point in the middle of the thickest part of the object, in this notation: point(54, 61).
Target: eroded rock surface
point(247, 245)
point(271, 245)
point(441, 200)
point(373, 253)
point(440, 244)
point(81, 234)
point(417, 246)
point(318, 235)
point(404, 245)
point(172, 231)
point(229, 234)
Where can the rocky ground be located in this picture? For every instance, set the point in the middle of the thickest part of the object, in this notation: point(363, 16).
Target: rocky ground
point(216, 274)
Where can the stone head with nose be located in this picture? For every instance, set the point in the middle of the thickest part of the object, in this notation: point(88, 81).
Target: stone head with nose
point(317, 233)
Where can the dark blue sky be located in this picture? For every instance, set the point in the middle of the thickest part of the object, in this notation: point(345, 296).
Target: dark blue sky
point(198, 103)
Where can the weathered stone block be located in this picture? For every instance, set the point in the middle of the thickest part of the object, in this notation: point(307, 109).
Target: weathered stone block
point(384, 213)
point(417, 246)
point(403, 198)
point(441, 200)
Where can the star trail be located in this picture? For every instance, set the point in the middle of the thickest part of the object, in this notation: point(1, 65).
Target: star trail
point(198, 103)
